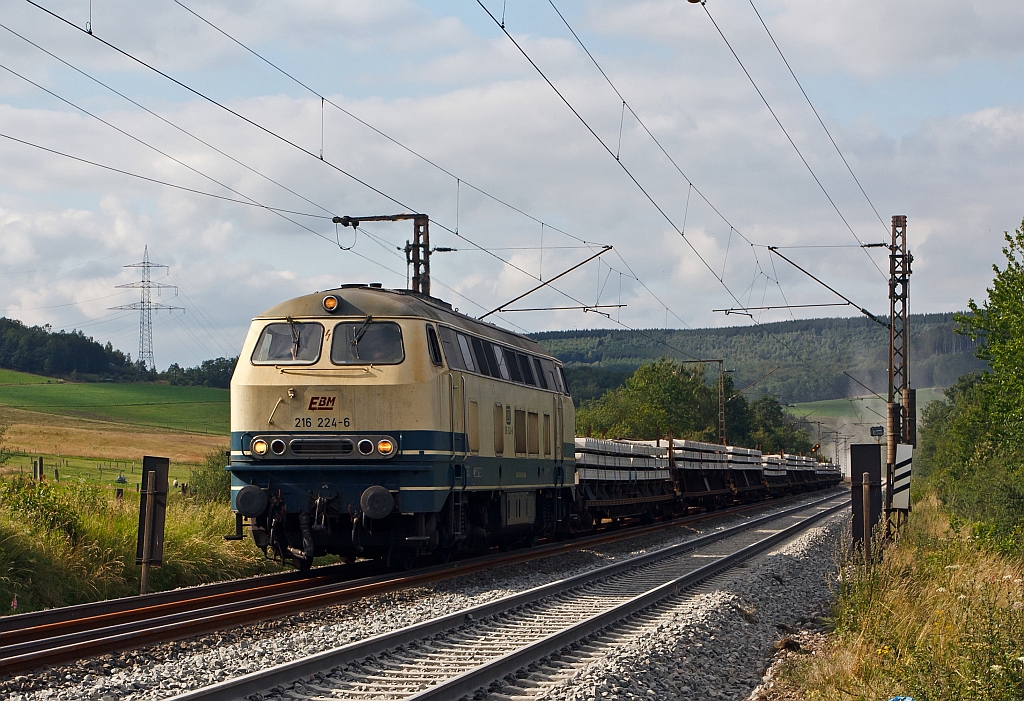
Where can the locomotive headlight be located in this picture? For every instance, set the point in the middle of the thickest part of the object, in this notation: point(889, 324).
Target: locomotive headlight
point(331, 303)
point(385, 447)
point(259, 446)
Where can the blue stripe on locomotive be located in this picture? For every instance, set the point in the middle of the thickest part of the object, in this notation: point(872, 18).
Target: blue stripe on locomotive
point(422, 479)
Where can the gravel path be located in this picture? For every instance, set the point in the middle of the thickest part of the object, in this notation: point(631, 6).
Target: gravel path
point(714, 644)
point(161, 671)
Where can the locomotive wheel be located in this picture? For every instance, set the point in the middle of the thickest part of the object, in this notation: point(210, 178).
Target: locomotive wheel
point(302, 564)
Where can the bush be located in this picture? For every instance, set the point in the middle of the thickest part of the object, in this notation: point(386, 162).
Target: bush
point(210, 481)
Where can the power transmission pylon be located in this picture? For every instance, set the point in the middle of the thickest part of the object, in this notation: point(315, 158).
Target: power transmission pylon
point(146, 306)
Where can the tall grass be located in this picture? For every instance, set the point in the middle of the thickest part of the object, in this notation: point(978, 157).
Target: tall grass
point(72, 543)
point(940, 617)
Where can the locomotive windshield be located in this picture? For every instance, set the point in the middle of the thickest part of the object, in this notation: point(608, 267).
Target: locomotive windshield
point(361, 342)
point(290, 343)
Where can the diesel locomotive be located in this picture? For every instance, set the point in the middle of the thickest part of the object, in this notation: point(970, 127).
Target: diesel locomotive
point(368, 422)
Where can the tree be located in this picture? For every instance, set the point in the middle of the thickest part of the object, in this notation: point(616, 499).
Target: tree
point(665, 397)
point(659, 398)
point(998, 328)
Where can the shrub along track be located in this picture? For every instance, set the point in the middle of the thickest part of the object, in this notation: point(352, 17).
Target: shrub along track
point(462, 653)
point(32, 640)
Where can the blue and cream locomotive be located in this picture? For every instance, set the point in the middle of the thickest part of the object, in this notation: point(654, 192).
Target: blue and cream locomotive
point(382, 423)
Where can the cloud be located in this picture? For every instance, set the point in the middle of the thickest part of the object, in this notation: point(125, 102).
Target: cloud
point(470, 103)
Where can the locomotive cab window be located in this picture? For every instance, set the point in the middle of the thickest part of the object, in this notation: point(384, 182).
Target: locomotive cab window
point(289, 343)
point(366, 342)
point(434, 347)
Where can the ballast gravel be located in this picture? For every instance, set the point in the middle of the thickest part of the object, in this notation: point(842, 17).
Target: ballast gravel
point(166, 670)
point(718, 643)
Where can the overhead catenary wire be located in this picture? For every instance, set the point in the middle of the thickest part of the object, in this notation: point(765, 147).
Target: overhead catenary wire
point(373, 128)
point(155, 181)
point(289, 142)
point(170, 123)
point(153, 148)
point(643, 125)
point(792, 143)
point(276, 135)
point(664, 214)
point(831, 289)
point(818, 116)
point(460, 181)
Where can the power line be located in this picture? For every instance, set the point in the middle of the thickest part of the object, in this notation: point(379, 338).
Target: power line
point(66, 267)
point(371, 127)
point(152, 180)
point(253, 203)
point(788, 137)
point(172, 124)
point(820, 121)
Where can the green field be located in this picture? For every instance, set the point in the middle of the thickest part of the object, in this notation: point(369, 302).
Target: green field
point(857, 410)
point(13, 377)
point(194, 409)
point(94, 471)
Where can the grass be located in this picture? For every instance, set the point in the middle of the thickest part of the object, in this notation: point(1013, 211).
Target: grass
point(868, 409)
point(69, 543)
point(13, 377)
point(193, 409)
point(97, 472)
point(940, 617)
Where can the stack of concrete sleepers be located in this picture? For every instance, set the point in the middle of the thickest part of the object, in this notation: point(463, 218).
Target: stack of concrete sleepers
point(746, 471)
point(629, 461)
point(619, 479)
point(702, 471)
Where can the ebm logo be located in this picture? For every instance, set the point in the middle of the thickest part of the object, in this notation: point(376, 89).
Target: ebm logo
point(321, 403)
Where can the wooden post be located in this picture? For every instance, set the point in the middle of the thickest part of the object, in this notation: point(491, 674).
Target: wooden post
point(865, 493)
point(147, 537)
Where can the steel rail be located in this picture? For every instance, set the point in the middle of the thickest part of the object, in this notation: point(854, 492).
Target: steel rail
point(469, 682)
point(80, 612)
point(255, 682)
point(234, 603)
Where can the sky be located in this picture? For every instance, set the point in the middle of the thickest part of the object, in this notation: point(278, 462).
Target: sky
point(191, 119)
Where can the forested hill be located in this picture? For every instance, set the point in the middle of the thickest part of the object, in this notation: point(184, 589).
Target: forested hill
point(75, 356)
point(806, 359)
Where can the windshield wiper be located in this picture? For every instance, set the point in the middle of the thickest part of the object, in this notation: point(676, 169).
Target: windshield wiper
point(359, 334)
point(295, 337)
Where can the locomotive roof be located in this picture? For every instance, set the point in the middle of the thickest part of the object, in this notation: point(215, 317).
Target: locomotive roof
point(360, 300)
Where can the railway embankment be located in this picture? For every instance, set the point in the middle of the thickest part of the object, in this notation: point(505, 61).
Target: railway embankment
point(941, 616)
point(162, 671)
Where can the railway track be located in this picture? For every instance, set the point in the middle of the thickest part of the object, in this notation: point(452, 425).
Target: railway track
point(463, 653)
point(33, 640)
